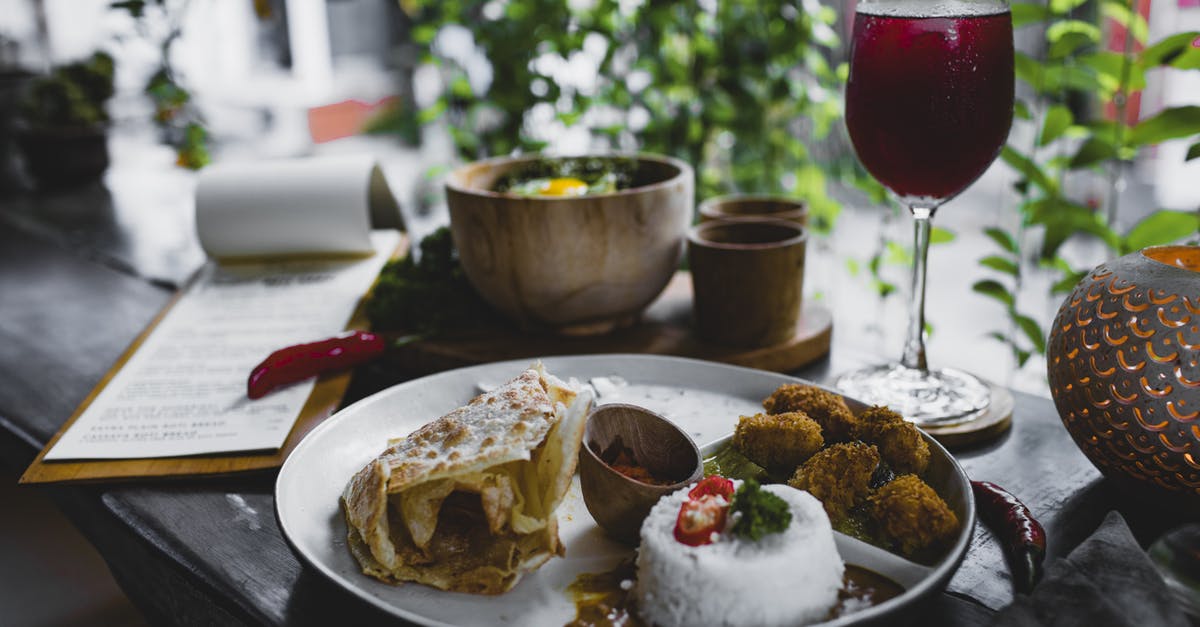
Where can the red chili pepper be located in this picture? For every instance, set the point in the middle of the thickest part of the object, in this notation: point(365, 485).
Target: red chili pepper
point(700, 518)
point(1023, 536)
point(297, 363)
point(710, 485)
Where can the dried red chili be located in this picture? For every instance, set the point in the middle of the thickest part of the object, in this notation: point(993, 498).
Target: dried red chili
point(297, 363)
point(1023, 536)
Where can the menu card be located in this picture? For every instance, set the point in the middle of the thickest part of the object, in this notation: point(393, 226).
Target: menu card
point(292, 255)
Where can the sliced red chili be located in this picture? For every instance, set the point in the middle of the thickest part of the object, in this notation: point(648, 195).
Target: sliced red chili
point(700, 519)
point(297, 363)
point(712, 484)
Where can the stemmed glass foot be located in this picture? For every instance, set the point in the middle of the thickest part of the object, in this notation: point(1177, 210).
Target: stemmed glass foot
point(926, 397)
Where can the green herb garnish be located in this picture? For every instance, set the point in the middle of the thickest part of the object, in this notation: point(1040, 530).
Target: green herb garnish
point(761, 512)
point(427, 297)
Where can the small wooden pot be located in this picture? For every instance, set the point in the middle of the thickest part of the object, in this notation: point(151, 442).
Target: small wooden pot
point(747, 281)
point(749, 207)
point(1124, 369)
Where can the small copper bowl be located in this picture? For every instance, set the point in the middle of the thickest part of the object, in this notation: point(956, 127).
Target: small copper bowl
point(620, 503)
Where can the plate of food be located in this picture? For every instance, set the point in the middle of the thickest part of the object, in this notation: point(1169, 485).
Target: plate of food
point(454, 500)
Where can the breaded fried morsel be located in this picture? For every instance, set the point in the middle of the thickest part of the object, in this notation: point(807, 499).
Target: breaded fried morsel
point(828, 409)
point(900, 442)
point(778, 443)
point(910, 515)
point(839, 476)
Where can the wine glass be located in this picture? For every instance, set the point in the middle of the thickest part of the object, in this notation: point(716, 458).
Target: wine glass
point(929, 103)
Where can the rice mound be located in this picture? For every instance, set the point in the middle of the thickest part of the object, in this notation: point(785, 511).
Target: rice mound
point(787, 578)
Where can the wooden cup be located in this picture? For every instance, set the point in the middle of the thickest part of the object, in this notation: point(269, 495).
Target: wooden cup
point(747, 281)
point(751, 207)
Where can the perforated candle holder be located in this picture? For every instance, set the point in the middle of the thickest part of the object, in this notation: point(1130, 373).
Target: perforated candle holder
point(1124, 369)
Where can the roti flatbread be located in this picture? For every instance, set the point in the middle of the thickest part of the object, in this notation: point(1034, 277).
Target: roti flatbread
point(467, 502)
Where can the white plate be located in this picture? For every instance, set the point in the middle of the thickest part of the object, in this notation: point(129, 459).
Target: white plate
point(702, 397)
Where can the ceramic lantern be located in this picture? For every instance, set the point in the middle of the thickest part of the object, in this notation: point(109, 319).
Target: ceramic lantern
point(1124, 367)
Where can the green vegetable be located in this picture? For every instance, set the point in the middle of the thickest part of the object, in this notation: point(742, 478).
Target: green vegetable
point(761, 513)
point(730, 462)
point(429, 297)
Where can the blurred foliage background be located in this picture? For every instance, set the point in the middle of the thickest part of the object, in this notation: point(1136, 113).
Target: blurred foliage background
point(750, 92)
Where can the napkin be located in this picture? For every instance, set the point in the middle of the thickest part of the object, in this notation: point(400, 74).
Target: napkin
point(1107, 580)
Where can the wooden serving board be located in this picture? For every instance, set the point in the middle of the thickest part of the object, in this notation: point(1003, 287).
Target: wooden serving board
point(664, 329)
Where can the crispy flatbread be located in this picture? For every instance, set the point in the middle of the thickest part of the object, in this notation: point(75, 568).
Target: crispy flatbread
point(467, 502)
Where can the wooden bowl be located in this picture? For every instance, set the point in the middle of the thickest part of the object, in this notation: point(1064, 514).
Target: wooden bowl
point(573, 265)
point(617, 502)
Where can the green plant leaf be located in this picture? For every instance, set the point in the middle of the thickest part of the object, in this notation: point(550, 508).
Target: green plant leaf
point(1067, 44)
point(1058, 119)
point(898, 254)
point(1059, 29)
point(1000, 264)
point(1070, 277)
point(883, 288)
point(1171, 123)
point(938, 235)
point(1161, 227)
point(1169, 50)
point(1093, 151)
point(1064, 218)
point(1060, 7)
point(135, 7)
point(1025, 13)
point(1122, 15)
point(1002, 238)
point(996, 290)
point(1021, 110)
point(1032, 330)
point(1028, 169)
point(1111, 68)
point(1027, 69)
point(1193, 152)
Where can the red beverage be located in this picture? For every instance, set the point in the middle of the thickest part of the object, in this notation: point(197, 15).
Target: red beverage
point(929, 99)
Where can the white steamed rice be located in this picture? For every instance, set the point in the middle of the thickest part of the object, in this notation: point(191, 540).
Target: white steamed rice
point(786, 578)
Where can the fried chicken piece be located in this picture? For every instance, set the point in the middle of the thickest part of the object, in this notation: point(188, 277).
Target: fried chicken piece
point(828, 409)
point(839, 476)
point(900, 442)
point(910, 515)
point(778, 443)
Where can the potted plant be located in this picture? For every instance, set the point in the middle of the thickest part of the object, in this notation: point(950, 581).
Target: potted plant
point(63, 134)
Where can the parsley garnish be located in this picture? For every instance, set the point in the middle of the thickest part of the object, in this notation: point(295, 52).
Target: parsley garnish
point(761, 512)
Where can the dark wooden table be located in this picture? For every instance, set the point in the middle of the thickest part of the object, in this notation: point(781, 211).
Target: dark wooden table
point(81, 273)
